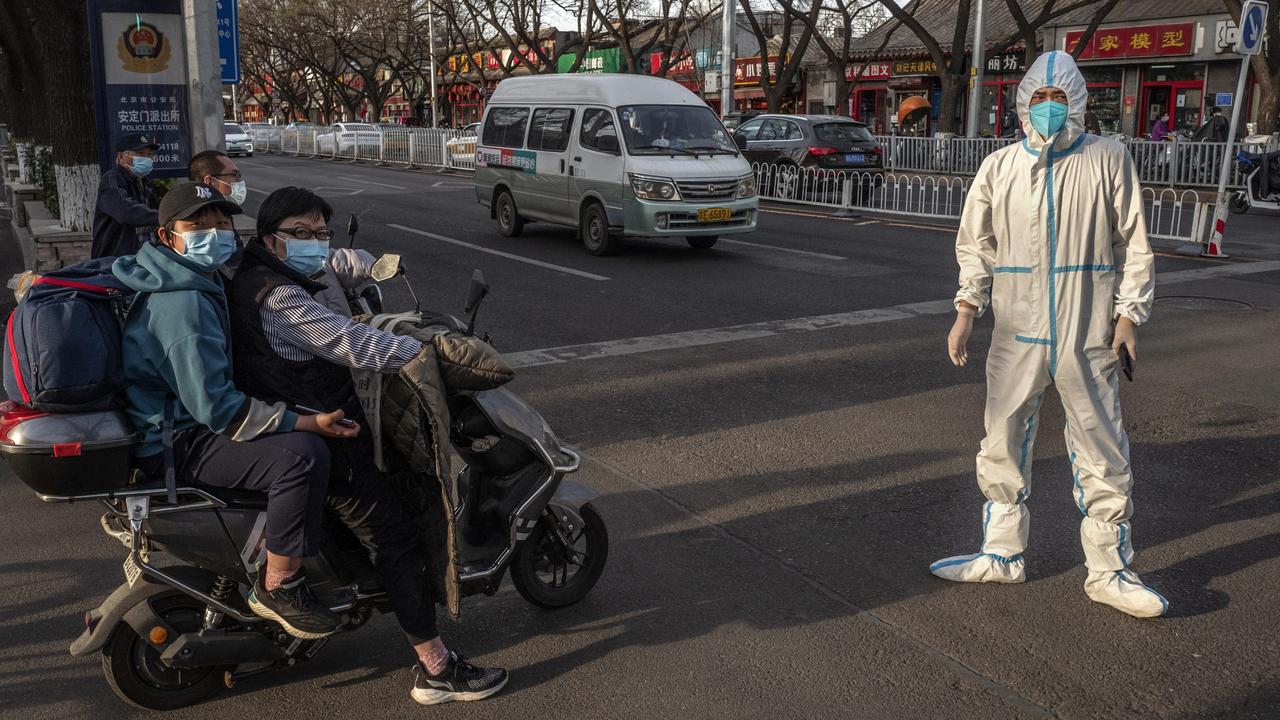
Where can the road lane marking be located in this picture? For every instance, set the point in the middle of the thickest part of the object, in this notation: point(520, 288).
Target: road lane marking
point(499, 253)
point(779, 248)
point(254, 164)
point(262, 192)
point(370, 182)
point(716, 336)
point(775, 328)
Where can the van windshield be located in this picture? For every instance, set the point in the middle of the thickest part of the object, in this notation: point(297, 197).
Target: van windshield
point(664, 129)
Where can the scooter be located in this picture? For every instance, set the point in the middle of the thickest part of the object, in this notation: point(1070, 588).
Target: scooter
point(178, 630)
point(1255, 165)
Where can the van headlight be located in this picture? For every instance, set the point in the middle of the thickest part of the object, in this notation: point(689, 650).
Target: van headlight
point(654, 188)
point(747, 187)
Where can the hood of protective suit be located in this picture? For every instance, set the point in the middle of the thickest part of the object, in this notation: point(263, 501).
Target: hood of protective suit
point(1054, 69)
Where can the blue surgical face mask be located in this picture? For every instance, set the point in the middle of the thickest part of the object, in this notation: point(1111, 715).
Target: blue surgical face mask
point(141, 165)
point(305, 256)
point(1048, 118)
point(210, 248)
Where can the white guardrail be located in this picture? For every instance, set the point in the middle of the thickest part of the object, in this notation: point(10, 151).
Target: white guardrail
point(1175, 163)
point(390, 145)
point(1171, 214)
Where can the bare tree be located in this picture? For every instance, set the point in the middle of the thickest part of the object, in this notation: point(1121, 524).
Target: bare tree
point(1028, 31)
point(776, 77)
point(44, 45)
point(835, 38)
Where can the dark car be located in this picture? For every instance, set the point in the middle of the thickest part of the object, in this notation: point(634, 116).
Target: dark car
point(827, 142)
point(734, 119)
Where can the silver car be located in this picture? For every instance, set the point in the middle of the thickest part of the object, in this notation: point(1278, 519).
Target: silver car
point(239, 142)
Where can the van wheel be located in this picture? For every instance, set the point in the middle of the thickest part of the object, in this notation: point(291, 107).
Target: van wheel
point(594, 228)
point(702, 242)
point(510, 224)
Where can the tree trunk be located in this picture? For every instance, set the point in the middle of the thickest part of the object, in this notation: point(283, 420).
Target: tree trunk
point(953, 87)
point(843, 87)
point(1268, 105)
point(68, 97)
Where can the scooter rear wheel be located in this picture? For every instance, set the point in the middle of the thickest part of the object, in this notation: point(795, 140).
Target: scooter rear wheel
point(545, 574)
point(134, 671)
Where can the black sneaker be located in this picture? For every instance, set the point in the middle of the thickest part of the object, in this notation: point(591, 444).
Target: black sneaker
point(460, 681)
point(293, 606)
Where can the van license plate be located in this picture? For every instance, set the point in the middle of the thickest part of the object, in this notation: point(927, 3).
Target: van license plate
point(131, 570)
point(714, 215)
point(855, 158)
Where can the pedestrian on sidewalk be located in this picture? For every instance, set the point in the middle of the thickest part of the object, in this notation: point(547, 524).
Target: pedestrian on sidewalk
point(126, 213)
point(1053, 239)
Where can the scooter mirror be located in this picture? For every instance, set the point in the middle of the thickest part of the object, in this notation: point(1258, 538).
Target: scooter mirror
point(353, 224)
point(387, 267)
point(479, 288)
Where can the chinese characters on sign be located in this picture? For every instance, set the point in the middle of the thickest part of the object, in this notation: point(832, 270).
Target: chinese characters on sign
point(746, 71)
point(228, 41)
point(870, 71)
point(140, 79)
point(1136, 42)
point(914, 67)
point(1013, 62)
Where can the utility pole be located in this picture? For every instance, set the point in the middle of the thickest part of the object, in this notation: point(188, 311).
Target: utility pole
point(204, 75)
point(975, 73)
point(728, 28)
point(431, 49)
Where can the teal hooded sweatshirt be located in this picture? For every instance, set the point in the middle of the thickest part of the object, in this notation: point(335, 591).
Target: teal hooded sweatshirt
point(177, 348)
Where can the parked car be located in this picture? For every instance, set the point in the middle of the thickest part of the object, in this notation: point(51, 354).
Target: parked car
point(238, 140)
point(462, 147)
point(613, 156)
point(344, 138)
point(828, 142)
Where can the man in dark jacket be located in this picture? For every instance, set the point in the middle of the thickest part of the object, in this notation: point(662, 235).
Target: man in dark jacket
point(1215, 129)
point(125, 216)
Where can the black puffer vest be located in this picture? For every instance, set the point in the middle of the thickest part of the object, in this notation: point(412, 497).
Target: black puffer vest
point(259, 371)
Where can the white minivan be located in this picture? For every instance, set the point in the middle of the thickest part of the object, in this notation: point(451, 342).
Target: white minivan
point(613, 156)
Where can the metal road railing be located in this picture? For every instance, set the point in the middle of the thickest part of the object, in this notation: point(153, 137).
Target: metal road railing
point(409, 147)
point(1175, 163)
point(1171, 214)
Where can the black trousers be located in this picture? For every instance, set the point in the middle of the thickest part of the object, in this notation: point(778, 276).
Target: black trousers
point(368, 502)
point(292, 468)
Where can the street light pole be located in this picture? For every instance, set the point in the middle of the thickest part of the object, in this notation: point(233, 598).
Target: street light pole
point(431, 49)
point(728, 26)
point(975, 76)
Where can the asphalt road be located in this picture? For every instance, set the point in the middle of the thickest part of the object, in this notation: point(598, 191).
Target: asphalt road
point(782, 449)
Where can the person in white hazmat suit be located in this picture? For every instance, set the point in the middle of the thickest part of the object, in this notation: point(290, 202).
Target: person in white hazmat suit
point(1053, 240)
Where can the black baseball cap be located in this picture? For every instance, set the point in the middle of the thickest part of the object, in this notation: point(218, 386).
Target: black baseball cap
point(186, 199)
point(136, 141)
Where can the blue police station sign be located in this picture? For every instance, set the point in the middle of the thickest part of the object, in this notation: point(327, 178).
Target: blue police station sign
point(229, 41)
point(1253, 28)
point(140, 79)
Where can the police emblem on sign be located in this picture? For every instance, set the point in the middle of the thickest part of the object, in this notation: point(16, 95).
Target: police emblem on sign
point(143, 48)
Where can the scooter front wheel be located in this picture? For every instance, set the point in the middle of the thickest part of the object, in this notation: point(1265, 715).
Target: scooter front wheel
point(1238, 203)
point(135, 672)
point(556, 566)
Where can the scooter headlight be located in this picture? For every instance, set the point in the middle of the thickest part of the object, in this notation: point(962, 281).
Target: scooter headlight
point(654, 188)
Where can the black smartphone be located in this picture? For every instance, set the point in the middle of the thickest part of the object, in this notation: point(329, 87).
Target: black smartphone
point(304, 410)
point(1126, 363)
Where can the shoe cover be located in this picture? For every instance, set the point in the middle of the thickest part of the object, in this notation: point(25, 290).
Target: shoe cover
point(1004, 538)
point(1124, 591)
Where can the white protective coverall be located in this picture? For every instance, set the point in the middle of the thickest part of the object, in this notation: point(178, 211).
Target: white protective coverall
point(1053, 240)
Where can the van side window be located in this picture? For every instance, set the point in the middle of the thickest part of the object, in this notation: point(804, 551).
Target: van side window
point(598, 131)
point(550, 129)
point(505, 127)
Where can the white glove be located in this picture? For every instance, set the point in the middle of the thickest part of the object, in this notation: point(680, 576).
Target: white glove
point(958, 340)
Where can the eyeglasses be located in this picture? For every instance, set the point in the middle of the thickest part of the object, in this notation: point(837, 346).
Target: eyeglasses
point(302, 233)
point(233, 175)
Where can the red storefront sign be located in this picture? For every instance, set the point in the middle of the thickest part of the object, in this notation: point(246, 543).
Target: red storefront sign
point(746, 71)
point(685, 67)
point(870, 71)
point(1136, 42)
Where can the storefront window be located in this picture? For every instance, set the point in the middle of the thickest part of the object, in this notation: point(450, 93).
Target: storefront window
point(1106, 97)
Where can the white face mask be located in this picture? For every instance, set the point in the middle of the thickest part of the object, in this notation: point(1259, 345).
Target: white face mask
point(238, 191)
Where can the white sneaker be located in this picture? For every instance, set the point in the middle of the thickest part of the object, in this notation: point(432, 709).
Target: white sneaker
point(1124, 591)
point(981, 567)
